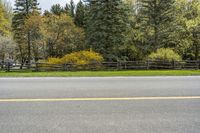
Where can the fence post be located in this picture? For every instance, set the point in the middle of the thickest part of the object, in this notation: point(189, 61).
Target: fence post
point(36, 67)
point(2, 65)
point(147, 62)
point(118, 65)
point(8, 67)
point(125, 65)
point(173, 64)
point(199, 64)
point(65, 67)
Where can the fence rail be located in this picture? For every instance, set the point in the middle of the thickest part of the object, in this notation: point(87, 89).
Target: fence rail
point(125, 65)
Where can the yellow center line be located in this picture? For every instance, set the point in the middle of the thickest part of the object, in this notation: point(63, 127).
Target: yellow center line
point(101, 99)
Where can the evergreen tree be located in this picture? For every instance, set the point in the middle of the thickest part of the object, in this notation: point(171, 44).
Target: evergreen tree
point(106, 27)
point(72, 8)
point(157, 23)
point(56, 9)
point(67, 9)
point(47, 13)
point(21, 12)
point(80, 14)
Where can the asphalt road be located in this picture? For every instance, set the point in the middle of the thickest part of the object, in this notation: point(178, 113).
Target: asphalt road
point(100, 105)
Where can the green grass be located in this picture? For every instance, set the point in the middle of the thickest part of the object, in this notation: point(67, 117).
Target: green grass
point(103, 73)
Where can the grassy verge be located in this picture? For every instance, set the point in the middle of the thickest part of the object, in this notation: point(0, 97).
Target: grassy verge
point(103, 73)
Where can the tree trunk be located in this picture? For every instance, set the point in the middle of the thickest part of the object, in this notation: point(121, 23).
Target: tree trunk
point(2, 62)
point(156, 37)
point(155, 27)
point(196, 51)
point(29, 50)
point(196, 45)
point(22, 64)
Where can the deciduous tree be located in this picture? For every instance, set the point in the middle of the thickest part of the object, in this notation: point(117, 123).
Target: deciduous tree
point(4, 20)
point(23, 8)
point(188, 19)
point(61, 35)
point(33, 25)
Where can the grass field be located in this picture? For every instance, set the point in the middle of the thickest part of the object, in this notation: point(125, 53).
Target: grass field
point(103, 73)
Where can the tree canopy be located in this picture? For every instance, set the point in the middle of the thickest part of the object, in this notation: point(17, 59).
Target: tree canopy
point(117, 29)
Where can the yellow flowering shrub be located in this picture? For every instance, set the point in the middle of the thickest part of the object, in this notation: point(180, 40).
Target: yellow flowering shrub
point(83, 58)
point(78, 58)
point(52, 60)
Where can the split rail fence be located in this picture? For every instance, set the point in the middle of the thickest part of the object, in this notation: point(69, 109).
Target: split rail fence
point(125, 65)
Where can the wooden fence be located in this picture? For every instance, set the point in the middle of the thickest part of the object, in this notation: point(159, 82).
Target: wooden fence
point(126, 65)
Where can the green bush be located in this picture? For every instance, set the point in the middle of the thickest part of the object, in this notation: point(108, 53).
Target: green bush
point(165, 54)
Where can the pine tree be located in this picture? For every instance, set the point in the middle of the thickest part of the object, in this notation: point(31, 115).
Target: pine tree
point(72, 8)
point(47, 13)
point(157, 23)
point(106, 25)
point(67, 9)
point(22, 10)
point(56, 9)
point(79, 18)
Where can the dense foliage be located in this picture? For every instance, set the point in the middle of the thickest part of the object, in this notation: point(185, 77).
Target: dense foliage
point(117, 29)
point(4, 20)
point(7, 45)
point(78, 58)
point(165, 54)
point(61, 36)
point(23, 9)
point(157, 22)
point(107, 23)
